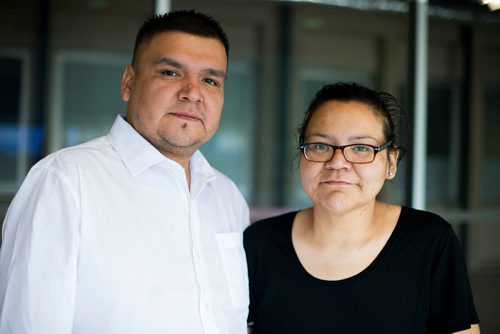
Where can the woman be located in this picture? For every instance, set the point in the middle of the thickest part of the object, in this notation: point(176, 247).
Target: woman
point(351, 263)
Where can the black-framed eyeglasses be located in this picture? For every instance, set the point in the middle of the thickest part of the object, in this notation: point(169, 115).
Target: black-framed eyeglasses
point(353, 153)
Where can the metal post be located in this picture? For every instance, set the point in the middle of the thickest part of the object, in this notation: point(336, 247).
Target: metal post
point(419, 75)
point(41, 77)
point(465, 121)
point(283, 107)
point(162, 6)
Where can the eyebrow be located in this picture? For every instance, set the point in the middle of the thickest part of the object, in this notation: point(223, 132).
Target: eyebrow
point(326, 136)
point(181, 66)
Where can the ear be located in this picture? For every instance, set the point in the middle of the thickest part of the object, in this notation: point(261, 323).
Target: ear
point(127, 84)
point(393, 155)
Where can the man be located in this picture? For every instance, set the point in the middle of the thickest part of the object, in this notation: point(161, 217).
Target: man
point(134, 232)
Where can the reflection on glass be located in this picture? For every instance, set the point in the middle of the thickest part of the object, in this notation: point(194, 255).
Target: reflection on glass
point(230, 150)
point(91, 99)
point(490, 182)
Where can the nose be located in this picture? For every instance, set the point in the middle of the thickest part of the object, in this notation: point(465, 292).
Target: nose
point(190, 91)
point(337, 161)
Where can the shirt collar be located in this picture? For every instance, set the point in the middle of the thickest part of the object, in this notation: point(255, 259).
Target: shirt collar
point(201, 173)
point(138, 154)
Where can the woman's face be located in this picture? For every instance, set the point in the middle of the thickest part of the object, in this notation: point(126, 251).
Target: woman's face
point(338, 185)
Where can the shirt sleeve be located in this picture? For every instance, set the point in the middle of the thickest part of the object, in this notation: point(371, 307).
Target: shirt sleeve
point(452, 306)
point(38, 258)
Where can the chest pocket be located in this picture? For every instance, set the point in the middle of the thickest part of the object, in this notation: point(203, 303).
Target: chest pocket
point(235, 268)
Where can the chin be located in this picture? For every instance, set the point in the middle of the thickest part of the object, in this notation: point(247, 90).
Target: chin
point(337, 202)
point(334, 205)
point(337, 209)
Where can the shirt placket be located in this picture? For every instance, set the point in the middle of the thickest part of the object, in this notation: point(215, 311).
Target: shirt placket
point(200, 255)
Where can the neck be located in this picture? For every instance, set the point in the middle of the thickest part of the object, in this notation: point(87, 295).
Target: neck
point(188, 177)
point(357, 226)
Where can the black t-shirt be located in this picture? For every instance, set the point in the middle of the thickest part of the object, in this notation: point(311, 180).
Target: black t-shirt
point(417, 284)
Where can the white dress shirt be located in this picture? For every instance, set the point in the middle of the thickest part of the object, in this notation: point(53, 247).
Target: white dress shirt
point(106, 237)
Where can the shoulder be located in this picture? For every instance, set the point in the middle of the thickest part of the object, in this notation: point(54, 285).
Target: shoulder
point(269, 227)
point(226, 188)
point(424, 230)
point(77, 154)
point(55, 181)
point(265, 238)
point(222, 180)
point(425, 221)
point(64, 167)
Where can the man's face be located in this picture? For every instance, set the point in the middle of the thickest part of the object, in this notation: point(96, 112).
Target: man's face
point(175, 92)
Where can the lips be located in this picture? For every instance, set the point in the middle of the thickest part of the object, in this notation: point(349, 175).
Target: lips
point(337, 182)
point(186, 117)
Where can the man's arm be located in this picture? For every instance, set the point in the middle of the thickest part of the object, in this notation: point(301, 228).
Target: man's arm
point(38, 258)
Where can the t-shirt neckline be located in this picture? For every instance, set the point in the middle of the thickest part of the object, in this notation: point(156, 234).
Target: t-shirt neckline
point(363, 273)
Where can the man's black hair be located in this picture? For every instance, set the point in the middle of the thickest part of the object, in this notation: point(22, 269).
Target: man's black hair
point(188, 21)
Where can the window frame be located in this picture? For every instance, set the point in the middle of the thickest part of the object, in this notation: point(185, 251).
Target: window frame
point(23, 54)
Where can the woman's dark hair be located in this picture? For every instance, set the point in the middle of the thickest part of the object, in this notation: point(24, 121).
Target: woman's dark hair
point(382, 103)
point(188, 21)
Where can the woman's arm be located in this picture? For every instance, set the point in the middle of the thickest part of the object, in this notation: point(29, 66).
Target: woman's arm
point(474, 329)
